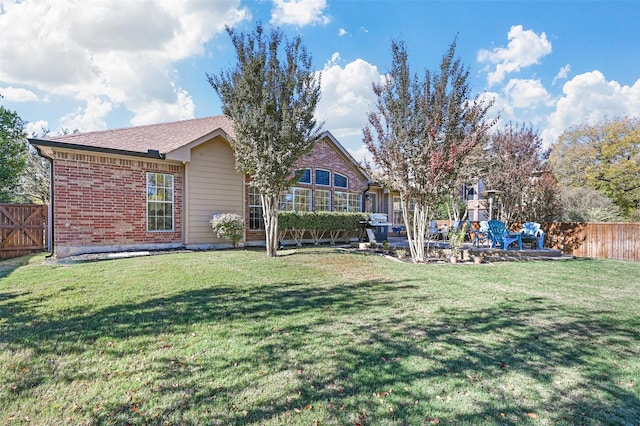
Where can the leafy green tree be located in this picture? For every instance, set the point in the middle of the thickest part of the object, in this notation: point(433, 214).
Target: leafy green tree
point(13, 153)
point(604, 156)
point(517, 168)
point(420, 134)
point(271, 95)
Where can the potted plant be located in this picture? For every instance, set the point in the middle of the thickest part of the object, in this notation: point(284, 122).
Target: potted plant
point(456, 238)
point(401, 253)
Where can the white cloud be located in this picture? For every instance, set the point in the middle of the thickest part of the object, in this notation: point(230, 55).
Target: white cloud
point(89, 118)
point(109, 52)
point(362, 154)
point(342, 32)
point(590, 98)
point(299, 12)
point(36, 128)
point(347, 96)
point(562, 74)
point(526, 93)
point(18, 94)
point(525, 48)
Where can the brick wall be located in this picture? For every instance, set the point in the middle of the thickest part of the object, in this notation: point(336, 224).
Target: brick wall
point(101, 201)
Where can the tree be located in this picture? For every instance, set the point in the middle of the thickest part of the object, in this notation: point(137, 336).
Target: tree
point(604, 156)
point(423, 131)
point(272, 102)
point(587, 205)
point(518, 169)
point(13, 153)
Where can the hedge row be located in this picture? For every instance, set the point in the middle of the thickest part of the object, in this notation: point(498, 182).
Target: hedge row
point(319, 224)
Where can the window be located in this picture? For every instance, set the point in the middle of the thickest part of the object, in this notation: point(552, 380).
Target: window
point(397, 211)
point(305, 175)
point(340, 181)
point(256, 220)
point(354, 202)
point(323, 177)
point(471, 195)
point(323, 200)
point(301, 199)
point(372, 202)
point(159, 202)
point(297, 199)
point(340, 202)
point(346, 202)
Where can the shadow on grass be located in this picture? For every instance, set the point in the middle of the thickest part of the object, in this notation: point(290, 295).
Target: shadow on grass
point(361, 353)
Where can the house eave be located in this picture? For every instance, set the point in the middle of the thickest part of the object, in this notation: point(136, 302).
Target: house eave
point(151, 153)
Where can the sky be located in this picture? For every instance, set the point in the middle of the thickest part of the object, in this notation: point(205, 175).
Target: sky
point(106, 64)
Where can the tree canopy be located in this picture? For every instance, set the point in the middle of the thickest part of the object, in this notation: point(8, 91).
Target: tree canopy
point(604, 156)
point(516, 166)
point(271, 95)
point(420, 133)
point(13, 153)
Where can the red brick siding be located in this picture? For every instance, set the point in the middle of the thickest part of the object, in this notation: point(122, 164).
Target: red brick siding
point(326, 157)
point(101, 200)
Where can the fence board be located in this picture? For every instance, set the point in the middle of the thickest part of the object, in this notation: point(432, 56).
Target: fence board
point(22, 229)
point(601, 240)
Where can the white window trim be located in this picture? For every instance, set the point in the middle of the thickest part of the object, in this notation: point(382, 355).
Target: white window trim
point(173, 202)
point(310, 175)
point(315, 178)
point(341, 175)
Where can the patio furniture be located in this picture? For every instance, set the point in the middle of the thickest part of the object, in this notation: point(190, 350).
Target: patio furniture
point(479, 236)
point(500, 235)
point(433, 230)
point(532, 234)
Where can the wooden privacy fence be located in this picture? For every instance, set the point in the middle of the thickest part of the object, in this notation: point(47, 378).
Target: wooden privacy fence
point(601, 240)
point(23, 229)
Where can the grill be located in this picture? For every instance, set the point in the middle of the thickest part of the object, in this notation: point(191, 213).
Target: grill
point(379, 222)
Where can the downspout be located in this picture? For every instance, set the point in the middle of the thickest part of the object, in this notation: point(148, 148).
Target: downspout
point(50, 227)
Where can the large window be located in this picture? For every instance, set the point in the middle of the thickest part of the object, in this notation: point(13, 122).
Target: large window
point(323, 177)
point(159, 202)
point(322, 200)
point(296, 199)
point(340, 202)
point(346, 202)
point(255, 209)
point(340, 181)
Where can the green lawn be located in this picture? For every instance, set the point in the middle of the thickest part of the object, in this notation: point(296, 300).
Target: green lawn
point(318, 337)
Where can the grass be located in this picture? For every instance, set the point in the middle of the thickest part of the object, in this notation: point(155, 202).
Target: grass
point(318, 337)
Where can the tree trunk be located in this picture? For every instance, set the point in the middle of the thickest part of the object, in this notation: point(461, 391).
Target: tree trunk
point(416, 228)
point(270, 214)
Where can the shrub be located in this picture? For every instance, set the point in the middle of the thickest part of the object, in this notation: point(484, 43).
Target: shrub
point(229, 226)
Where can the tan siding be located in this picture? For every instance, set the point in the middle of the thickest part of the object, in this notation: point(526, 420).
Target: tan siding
point(213, 186)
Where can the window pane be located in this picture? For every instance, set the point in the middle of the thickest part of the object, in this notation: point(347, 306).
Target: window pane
point(322, 200)
point(302, 199)
point(340, 202)
point(340, 181)
point(305, 175)
point(255, 209)
point(322, 177)
point(159, 202)
point(354, 202)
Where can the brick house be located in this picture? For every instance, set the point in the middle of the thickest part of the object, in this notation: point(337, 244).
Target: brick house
point(157, 187)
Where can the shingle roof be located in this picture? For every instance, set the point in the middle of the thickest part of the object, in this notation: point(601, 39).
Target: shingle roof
point(164, 137)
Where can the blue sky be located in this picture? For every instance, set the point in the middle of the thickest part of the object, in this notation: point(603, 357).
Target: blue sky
point(115, 63)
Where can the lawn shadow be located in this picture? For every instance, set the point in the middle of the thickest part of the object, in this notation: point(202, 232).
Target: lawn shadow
point(330, 348)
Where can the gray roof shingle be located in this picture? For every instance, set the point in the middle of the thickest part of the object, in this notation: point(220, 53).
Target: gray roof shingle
point(163, 137)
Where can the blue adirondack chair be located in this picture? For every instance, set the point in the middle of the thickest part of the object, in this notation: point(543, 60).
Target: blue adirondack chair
point(531, 231)
point(479, 236)
point(500, 235)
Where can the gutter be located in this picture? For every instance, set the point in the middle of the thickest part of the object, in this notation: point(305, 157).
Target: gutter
point(151, 153)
